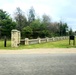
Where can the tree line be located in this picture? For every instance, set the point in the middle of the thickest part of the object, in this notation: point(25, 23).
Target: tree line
point(31, 26)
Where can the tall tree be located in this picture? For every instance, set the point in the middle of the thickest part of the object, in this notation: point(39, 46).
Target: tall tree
point(20, 19)
point(35, 25)
point(31, 15)
point(39, 29)
point(27, 32)
point(46, 19)
point(60, 27)
point(63, 28)
point(70, 31)
point(6, 24)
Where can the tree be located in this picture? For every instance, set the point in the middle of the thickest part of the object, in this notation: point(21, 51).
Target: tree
point(63, 28)
point(27, 32)
point(60, 27)
point(31, 15)
point(2, 17)
point(20, 19)
point(39, 29)
point(6, 24)
point(35, 25)
point(70, 31)
point(46, 20)
point(54, 28)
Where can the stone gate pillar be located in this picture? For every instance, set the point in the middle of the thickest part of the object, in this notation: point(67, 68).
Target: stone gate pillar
point(15, 38)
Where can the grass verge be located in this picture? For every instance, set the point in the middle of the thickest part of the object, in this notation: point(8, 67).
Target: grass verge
point(57, 44)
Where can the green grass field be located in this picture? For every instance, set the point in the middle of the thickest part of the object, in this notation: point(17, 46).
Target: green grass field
point(57, 44)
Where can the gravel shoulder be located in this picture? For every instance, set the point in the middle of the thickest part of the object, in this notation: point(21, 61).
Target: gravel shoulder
point(39, 51)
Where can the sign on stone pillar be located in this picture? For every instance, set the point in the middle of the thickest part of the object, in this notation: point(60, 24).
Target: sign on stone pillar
point(15, 38)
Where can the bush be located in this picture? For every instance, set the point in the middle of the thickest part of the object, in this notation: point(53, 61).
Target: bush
point(27, 32)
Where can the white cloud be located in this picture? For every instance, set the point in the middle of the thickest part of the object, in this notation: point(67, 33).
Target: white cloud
point(41, 6)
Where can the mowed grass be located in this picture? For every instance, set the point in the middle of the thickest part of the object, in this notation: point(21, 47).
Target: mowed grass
point(56, 44)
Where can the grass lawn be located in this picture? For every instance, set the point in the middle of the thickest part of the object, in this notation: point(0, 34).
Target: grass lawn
point(57, 44)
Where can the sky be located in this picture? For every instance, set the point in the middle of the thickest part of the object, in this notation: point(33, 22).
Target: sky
point(63, 10)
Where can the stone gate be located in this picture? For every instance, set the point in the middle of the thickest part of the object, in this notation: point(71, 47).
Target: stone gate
point(15, 38)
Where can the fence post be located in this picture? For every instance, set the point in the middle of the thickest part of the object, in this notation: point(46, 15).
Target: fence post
point(53, 39)
point(26, 41)
point(39, 40)
point(5, 41)
point(47, 39)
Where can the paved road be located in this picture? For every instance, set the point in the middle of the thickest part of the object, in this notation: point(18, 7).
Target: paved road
point(37, 64)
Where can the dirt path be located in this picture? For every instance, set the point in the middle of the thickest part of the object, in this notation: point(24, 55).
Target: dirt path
point(39, 51)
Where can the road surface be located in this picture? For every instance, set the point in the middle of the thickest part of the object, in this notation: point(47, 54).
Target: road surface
point(38, 64)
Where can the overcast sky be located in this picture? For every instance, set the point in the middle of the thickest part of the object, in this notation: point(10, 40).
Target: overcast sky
point(64, 10)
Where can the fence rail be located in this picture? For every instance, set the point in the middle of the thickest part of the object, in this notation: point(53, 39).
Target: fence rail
point(27, 41)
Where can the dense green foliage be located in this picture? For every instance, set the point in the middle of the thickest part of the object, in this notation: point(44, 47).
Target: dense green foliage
point(31, 26)
point(6, 24)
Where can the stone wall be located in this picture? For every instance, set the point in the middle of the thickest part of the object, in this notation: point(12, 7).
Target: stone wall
point(16, 39)
point(43, 40)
